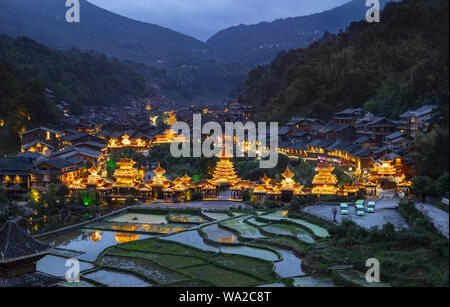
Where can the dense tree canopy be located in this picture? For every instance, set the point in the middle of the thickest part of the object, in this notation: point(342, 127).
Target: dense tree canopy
point(387, 67)
point(28, 68)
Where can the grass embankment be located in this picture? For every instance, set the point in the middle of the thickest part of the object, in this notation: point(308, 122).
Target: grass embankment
point(167, 263)
point(414, 257)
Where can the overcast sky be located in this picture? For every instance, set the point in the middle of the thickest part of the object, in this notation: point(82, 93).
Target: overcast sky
point(203, 18)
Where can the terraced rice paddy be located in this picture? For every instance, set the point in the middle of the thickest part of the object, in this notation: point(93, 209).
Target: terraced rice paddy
point(290, 266)
point(253, 221)
point(191, 238)
point(187, 218)
point(317, 230)
point(289, 230)
point(217, 234)
point(117, 279)
point(140, 228)
point(90, 242)
point(56, 266)
point(217, 215)
point(314, 281)
point(183, 258)
point(251, 252)
point(245, 230)
point(140, 218)
point(150, 259)
point(149, 269)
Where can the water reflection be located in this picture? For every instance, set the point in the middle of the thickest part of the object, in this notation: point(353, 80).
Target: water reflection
point(126, 237)
point(81, 240)
point(96, 236)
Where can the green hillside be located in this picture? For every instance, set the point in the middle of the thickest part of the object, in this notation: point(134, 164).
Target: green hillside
point(387, 67)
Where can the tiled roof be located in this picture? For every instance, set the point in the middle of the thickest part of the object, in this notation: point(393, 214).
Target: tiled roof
point(40, 128)
point(31, 280)
point(25, 147)
point(57, 162)
point(22, 164)
point(16, 243)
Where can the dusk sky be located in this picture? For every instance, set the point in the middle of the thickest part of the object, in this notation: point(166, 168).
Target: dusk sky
point(203, 18)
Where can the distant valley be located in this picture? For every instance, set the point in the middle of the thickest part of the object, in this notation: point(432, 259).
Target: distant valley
point(202, 71)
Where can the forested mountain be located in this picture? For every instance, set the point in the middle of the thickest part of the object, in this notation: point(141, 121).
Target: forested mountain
point(200, 71)
point(387, 67)
point(99, 30)
point(79, 78)
point(27, 68)
point(260, 43)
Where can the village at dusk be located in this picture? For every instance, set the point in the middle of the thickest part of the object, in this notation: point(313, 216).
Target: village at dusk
point(302, 145)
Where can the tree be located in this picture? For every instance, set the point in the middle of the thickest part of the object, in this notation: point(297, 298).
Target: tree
point(422, 186)
point(430, 152)
point(442, 184)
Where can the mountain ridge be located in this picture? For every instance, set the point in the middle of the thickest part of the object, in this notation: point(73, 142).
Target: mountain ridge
point(260, 43)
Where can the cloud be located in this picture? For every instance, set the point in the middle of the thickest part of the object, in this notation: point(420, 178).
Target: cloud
point(204, 18)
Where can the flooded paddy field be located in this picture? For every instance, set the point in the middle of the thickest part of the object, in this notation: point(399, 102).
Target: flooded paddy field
point(117, 279)
point(289, 230)
point(316, 230)
point(140, 218)
point(144, 250)
point(244, 229)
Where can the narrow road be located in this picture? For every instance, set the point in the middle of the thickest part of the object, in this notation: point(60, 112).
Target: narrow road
point(438, 217)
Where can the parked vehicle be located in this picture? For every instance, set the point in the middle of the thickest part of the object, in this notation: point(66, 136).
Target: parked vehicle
point(360, 210)
point(371, 207)
point(344, 209)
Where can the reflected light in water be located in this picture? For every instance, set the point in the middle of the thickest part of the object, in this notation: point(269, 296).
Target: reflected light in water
point(96, 236)
point(227, 240)
point(126, 237)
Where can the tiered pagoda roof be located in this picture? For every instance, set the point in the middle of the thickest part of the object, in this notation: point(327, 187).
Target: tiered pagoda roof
point(288, 182)
point(324, 182)
point(224, 172)
point(159, 179)
point(126, 174)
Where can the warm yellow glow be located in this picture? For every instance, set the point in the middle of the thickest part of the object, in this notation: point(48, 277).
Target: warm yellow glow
point(126, 237)
point(126, 174)
point(227, 240)
point(96, 236)
point(288, 182)
point(126, 140)
point(324, 182)
point(35, 195)
point(224, 172)
point(159, 179)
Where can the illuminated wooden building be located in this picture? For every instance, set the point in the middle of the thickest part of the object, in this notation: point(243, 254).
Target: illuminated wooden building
point(39, 147)
point(287, 185)
point(224, 173)
point(325, 182)
point(45, 136)
point(128, 183)
point(389, 173)
point(239, 187)
point(125, 141)
point(176, 192)
point(260, 191)
point(168, 137)
point(210, 191)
